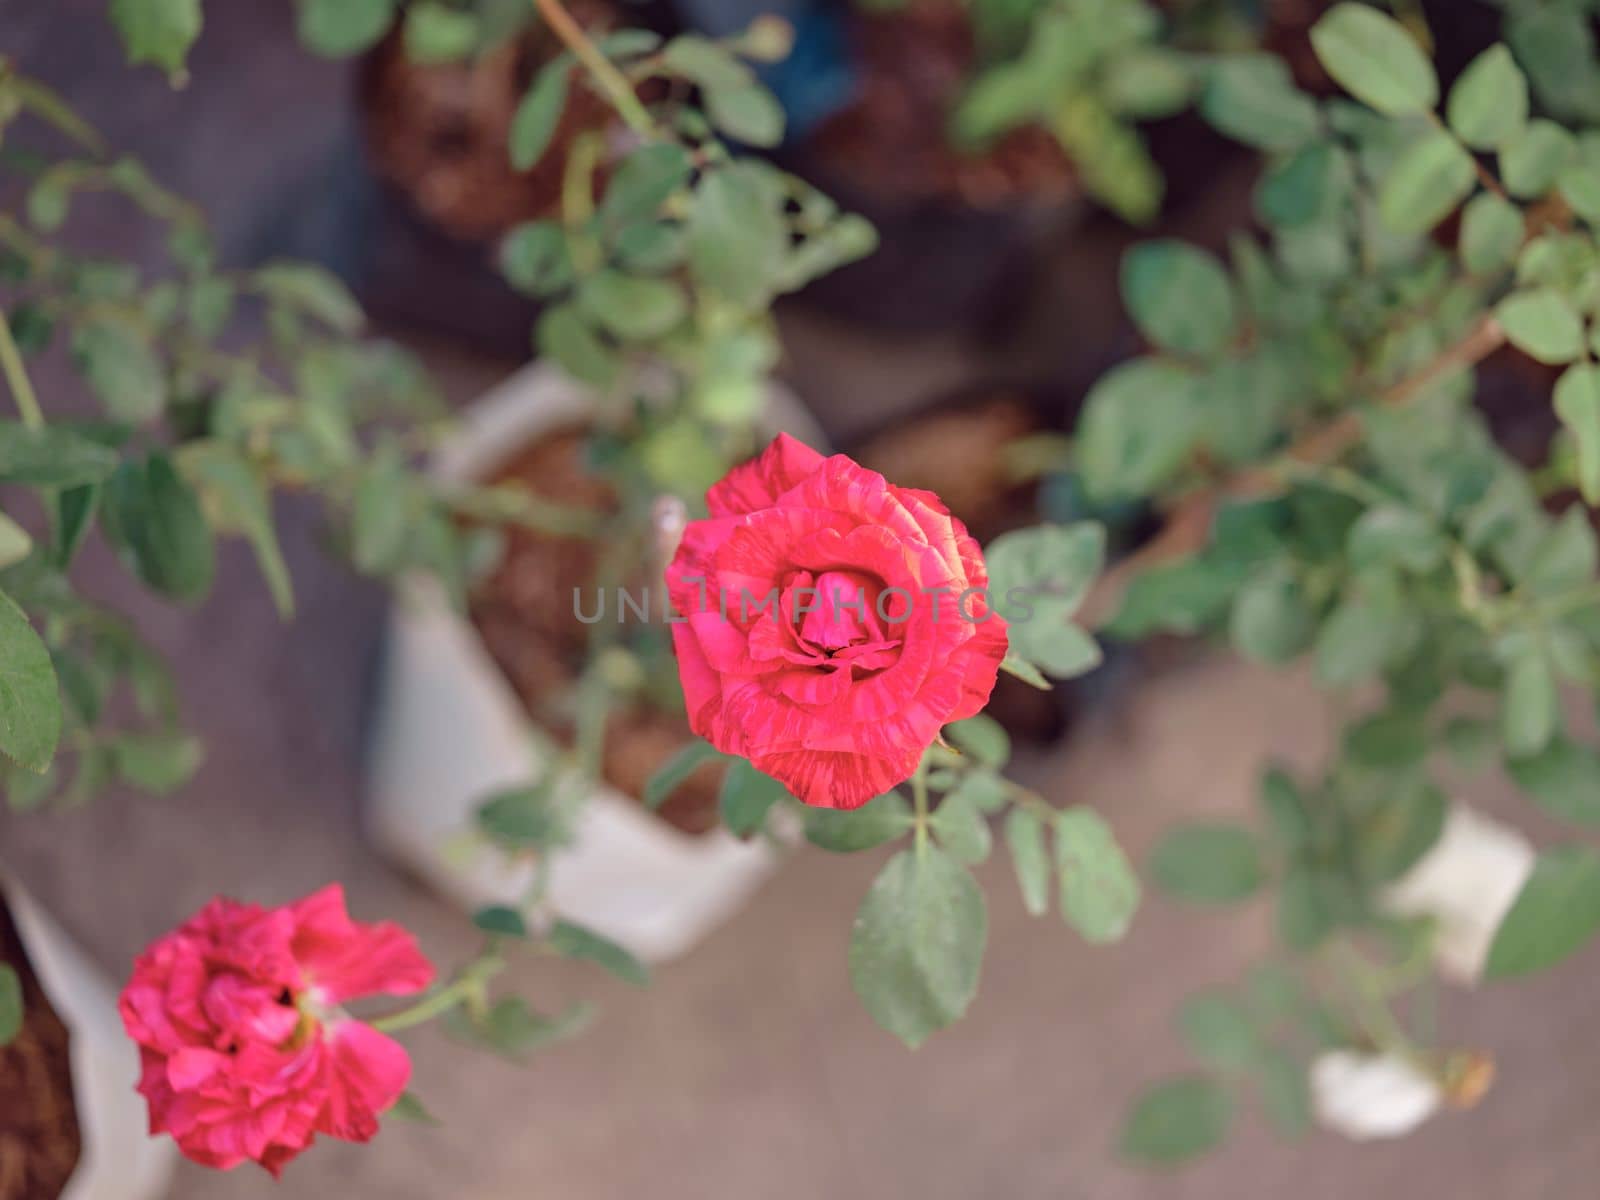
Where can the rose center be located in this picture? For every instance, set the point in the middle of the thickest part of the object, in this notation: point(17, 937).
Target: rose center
point(842, 613)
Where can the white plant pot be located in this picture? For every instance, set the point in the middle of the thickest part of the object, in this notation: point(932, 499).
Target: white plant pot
point(449, 730)
point(120, 1160)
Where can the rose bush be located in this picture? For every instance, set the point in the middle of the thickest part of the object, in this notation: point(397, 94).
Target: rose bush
point(831, 623)
point(247, 1053)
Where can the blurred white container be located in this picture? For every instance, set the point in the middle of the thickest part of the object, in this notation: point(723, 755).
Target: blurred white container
point(449, 730)
point(1467, 883)
point(119, 1160)
point(1371, 1096)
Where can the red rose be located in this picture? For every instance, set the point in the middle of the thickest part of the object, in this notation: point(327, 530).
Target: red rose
point(246, 1051)
point(830, 623)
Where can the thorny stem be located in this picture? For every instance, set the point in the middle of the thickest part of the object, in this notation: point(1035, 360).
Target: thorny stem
point(17, 377)
point(1189, 523)
point(617, 89)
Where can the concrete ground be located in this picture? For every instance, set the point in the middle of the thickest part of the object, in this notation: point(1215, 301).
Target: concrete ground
point(748, 1068)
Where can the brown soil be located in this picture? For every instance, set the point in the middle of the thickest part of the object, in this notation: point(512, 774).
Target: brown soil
point(39, 1138)
point(525, 614)
point(914, 64)
point(439, 133)
point(959, 453)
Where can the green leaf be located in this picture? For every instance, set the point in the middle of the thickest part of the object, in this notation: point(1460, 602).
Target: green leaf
point(1531, 705)
point(522, 818)
point(159, 763)
point(1304, 914)
point(676, 770)
point(381, 520)
point(1179, 296)
point(1491, 234)
point(15, 542)
point(1404, 825)
point(1556, 913)
point(564, 334)
point(1039, 578)
point(747, 796)
point(1580, 188)
point(1471, 742)
point(1176, 1121)
point(1208, 864)
point(1285, 1093)
point(738, 238)
point(499, 919)
point(1138, 427)
point(11, 1010)
point(534, 123)
point(154, 518)
point(238, 500)
point(643, 181)
point(1373, 58)
point(1099, 890)
point(1393, 536)
point(1353, 643)
point(436, 33)
point(534, 260)
point(74, 513)
point(1219, 1031)
point(1270, 621)
point(1428, 181)
point(511, 1028)
point(121, 366)
point(30, 701)
point(959, 825)
point(409, 1108)
point(1305, 187)
point(1577, 402)
point(982, 739)
point(576, 942)
point(337, 28)
point(917, 945)
point(748, 113)
point(1393, 738)
point(312, 291)
point(632, 308)
point(704, 62)
point(1542, 324)
point(1018, 667)
point(1564, 778)
point(53, 456)
point(1288, 819)
point(1252, 98)
point(1531, 161)
point(1489, 104)
point(845, 831)
point(1025, 838)
point(159, 32)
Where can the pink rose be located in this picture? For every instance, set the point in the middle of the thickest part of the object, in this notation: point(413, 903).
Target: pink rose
point(247, 1053)
point(831, 623)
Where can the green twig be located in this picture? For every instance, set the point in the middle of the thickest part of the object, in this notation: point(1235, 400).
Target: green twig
point(17, 378)
point(611, 81)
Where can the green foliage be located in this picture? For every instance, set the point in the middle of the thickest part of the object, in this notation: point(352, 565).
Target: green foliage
point(574, 941)
point(1099, 891)
point(1557, 912)
point(1176, 1120)
point(1208, 863)
point(1040, 578)
point(158, 32)
point(918, 943)
point(1373, 58)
